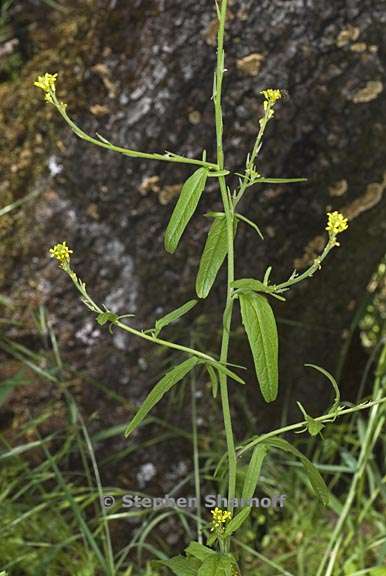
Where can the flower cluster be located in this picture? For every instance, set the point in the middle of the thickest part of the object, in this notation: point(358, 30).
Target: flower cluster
point(271, 96)
point(47, 84)
point(337, 223)
point(62, 253)
point(220, 517)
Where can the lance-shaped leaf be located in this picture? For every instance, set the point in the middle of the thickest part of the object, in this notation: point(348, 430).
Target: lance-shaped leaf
point(186, 206)
point(252, 284)
point(180, 566)
point(159, 390)
point(250, 223)
point(279, 180)
point(253, 472)
point(213, 256)
point(199, 551)
point(318, 484)
point(107, 316)
point(249, 487)
point(224, 370)
point(237, 521)
point(217, 565)
point(260, 326)
point(213, 379)
point(174, 315)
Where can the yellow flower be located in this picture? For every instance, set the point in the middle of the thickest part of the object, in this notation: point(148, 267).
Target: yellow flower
point(271, 96)
point(61, 253)
point(337, 223)
point(47, 84)
point(220, 517)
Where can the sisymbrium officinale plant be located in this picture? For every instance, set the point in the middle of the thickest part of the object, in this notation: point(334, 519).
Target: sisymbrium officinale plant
point(252, 295)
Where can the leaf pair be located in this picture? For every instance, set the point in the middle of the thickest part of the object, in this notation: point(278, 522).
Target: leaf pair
point(215, 249)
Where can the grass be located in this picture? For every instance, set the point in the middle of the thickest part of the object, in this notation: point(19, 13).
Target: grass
point(51, 488)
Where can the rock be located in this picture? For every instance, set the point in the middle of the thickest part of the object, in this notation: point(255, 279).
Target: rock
point(146, 66)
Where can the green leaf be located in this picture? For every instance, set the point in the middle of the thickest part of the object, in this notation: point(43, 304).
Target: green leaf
point(221, 368)
point(174, 315)
point(186, 206)
point(250, 223)
point(211, 538)
point(219, 173)
point(380, 571)
point(253, 472)
point(212, 214)
point(334, 383)
point(279, 180)
point(318, 484)
point(105, 317)
point(237, 521)
point(260, 326)
point(181, 566)
point(267, 274)
point(217, 565)
point(251, 284)
point(199, 551)
point(313, 426)
point(249, 488)
point(213, 379)
point(213, 256)
point(163, 386)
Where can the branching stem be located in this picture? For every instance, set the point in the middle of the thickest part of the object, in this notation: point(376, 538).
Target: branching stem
point(103, 143)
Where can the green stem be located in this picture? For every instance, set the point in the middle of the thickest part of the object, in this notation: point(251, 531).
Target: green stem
point(196, 460)
point(251, 161)
point(165, 343)
point(89, 302)
point(291, 427)
point(311, 270)
point(168, 157)
point(229, 215)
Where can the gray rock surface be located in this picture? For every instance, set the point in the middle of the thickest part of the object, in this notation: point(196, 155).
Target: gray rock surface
point(140, 73)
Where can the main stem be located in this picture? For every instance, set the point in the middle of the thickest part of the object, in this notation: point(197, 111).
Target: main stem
point(229, 214)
